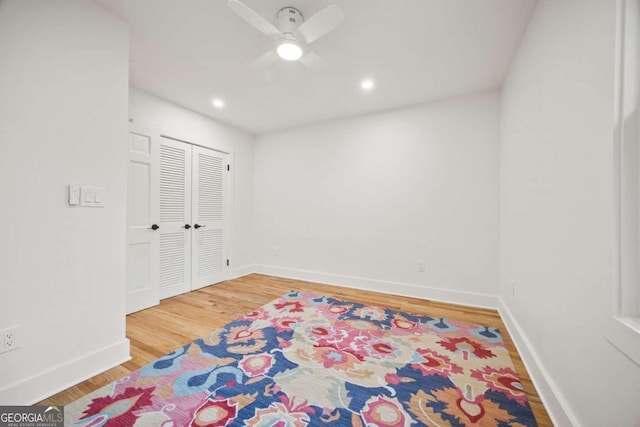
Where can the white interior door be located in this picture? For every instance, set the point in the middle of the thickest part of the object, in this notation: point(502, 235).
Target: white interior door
point(142, 218)
point(175, 217)
point(210, 182)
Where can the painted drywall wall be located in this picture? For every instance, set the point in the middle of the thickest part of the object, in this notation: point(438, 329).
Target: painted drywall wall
point(177, 122)
point(63, 120)
point(557, 224)
point(359, 201)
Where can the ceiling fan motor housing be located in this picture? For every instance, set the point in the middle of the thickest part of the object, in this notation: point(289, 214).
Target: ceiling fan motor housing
point(289, 18)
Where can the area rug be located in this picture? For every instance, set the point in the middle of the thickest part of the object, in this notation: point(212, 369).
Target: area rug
point(309, 360)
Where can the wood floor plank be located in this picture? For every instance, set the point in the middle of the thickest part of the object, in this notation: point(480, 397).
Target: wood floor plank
point(177, 321)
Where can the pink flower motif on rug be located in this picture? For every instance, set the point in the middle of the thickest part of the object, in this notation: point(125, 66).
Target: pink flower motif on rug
point(381, 350)
point(285, 324)
point(330, 357)
point(118, 410)
point(277, 415)
point(467, 347)
point(326, 335)
point(242, 334)
point(215, 413)
point(435, 364)
point(385, 412)
point(392, 378)
point(503, 380)
point(259, 314)
point(401, 325)
point(336, 310)
point(289, 306)
point(258, 364)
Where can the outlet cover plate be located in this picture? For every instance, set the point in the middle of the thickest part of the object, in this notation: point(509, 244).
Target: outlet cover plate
point(10, 339)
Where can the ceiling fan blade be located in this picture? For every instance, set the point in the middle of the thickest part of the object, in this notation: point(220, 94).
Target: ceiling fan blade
point(265, 60)
point(253, 18)
point(313, 61)
point(320, 24)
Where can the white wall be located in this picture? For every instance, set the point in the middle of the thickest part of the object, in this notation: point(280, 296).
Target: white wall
point(359, 201)
point(63, 119)
point(557, 224)
point(177, 122)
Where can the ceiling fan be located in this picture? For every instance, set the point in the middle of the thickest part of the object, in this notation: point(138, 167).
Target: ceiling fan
point(293, 33)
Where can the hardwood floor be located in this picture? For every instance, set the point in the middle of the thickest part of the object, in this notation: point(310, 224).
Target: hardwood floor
point(179, 320)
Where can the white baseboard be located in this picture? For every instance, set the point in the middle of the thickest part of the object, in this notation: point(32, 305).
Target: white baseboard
point(394, 288)
point(555, 404)
point(242, 271)
point(61, 377)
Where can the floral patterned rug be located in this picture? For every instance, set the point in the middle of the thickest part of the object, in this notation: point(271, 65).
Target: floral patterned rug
point(309, 360)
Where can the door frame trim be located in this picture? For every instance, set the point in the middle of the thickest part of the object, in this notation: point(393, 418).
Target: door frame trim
point(193, 143)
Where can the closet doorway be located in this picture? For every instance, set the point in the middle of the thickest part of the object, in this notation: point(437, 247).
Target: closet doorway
point(178, 209)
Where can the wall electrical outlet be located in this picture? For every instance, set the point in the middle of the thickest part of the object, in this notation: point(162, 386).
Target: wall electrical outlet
point(421, 265)
point(10, 339)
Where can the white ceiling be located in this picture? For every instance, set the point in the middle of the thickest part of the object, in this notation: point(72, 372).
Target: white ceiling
point(190, 51)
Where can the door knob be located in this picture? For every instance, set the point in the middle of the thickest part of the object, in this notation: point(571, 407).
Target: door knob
point(187, 226)
point(154, 227)
point(196, 226)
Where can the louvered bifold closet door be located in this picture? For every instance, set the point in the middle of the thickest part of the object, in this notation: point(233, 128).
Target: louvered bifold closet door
point(175, 217)
point(210, 208)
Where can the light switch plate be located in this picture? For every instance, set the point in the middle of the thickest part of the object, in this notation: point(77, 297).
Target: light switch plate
point(92, 197)
point(74, 194)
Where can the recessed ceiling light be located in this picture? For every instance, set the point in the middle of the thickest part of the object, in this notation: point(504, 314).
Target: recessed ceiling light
point(218, 103)
point(367, 84)
point(290, 50)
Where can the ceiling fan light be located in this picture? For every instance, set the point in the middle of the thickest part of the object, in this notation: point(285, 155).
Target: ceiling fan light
point(367, 84)
point(289, 50)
